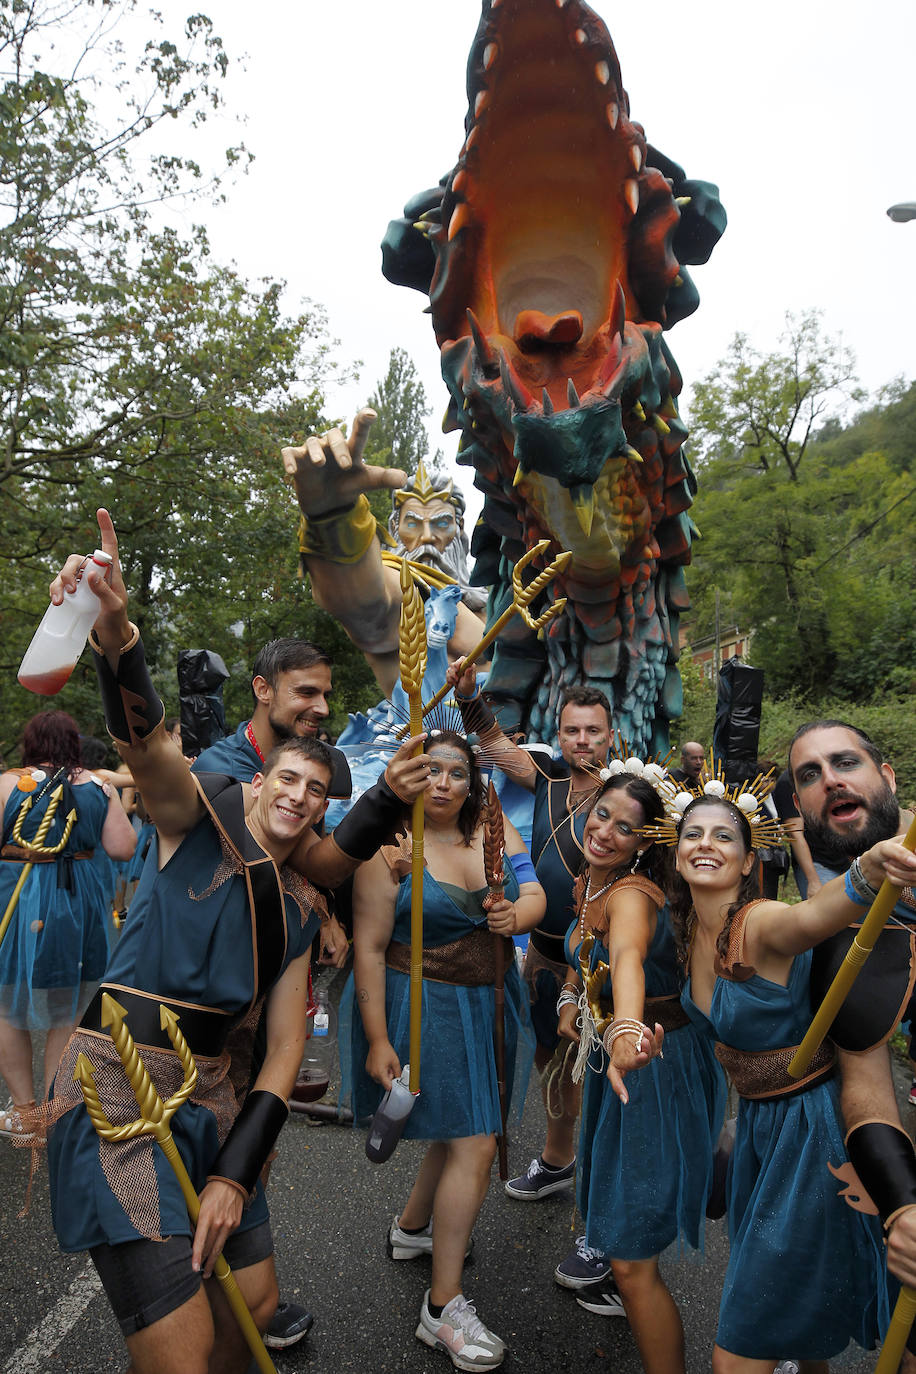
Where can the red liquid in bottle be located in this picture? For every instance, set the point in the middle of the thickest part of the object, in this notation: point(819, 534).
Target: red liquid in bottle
point(47, 684)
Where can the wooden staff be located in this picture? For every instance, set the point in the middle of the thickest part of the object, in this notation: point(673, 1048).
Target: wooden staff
point(863, 944)
point(521, 599)
point(494, 849)
point(37, 846)
point(412, 653)
point(155, 1116)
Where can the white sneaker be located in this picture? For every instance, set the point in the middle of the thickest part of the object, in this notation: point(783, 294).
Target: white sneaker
point(404, 1246)
point(461, 1333)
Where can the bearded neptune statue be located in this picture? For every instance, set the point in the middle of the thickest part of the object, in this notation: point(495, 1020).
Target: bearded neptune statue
point(554, 256)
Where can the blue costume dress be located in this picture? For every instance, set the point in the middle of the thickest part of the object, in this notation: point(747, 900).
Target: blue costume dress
point(645, 1169)
point(189, 939)
point(458, 1088)
point(806, 1272)
point(56, 947)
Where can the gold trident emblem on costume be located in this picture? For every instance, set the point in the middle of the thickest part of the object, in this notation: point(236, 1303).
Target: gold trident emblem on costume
point(154, 1119)
point(36, 846)
point(522, 598)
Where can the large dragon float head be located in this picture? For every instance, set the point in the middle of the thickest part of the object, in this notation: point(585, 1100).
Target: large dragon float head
point(554, 255)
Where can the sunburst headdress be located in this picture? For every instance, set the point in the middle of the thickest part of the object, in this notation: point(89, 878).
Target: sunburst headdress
point(746, 797)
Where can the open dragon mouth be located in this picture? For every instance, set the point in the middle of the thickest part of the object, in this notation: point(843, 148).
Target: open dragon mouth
point(553, 257)
point(535, 244)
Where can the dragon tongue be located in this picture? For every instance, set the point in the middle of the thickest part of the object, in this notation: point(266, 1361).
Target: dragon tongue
point(535, 329)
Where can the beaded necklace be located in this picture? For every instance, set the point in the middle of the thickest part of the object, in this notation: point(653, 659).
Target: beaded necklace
point(593, 897)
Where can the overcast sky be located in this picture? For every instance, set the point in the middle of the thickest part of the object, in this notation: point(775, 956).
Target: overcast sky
point(800, 110)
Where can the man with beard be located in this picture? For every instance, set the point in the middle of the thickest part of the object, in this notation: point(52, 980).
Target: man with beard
point(846, 796)
point(693, 756)
point(427, 526)
point(352, 579)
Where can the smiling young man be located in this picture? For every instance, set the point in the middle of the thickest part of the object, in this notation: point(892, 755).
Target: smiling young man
point(221, 923)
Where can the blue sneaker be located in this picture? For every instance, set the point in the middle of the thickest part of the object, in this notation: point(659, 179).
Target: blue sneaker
point(539, 1181)
point(582, 1266)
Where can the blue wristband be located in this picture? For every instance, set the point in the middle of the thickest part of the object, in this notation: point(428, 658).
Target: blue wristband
point(523, 868)
point(852, 894)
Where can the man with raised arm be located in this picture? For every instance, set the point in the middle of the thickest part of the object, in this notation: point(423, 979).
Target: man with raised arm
point(561, 787)
point(220, 926)
point(338, 541)
point(845, 794)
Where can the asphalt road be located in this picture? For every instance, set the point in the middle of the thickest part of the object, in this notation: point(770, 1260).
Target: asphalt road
point(331, 1210)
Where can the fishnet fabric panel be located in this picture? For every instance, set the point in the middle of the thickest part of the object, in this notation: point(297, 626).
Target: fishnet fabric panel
point(128, 1165)
point(306, 897)
point(229, 867)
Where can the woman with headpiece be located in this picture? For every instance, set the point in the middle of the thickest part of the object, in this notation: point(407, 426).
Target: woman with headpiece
point(806, 1272)
point(458, 1109)
point(56, 946)
point(646, 1145)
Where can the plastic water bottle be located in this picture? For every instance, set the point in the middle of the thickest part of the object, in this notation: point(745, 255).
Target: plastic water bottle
point(61, 637)
point(388, 1122)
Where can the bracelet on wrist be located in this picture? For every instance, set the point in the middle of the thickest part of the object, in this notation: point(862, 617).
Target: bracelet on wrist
point(339, 536)
point(624, 1026)
point(860, 883)
point(852, 893)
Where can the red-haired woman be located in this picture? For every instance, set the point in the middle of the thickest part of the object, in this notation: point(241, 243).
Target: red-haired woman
point(56, 945)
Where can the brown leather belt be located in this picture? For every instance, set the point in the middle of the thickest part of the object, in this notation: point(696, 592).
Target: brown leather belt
point(21, 854)
point(762, 1074)
point(204, 1028)
point(469, 962)
point(667, 1011)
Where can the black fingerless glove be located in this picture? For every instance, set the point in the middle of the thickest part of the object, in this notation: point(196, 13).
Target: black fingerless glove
point(248, 1144)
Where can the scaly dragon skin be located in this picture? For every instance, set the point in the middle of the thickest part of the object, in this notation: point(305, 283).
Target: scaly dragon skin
point(553, 255)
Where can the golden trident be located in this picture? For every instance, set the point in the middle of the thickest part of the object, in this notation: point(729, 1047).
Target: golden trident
point(36, 846)
point(522, 598)
point(412, 653)
point(154, 1119)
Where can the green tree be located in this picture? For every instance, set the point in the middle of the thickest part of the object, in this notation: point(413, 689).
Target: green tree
point(817, 565)
point(399, 437)
point(759, 411)
point(134, 372)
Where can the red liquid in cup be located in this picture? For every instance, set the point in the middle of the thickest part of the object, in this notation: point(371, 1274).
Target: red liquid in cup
point(47, 684)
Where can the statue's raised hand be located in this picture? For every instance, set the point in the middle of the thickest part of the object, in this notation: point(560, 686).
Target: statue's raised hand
point(329, 471)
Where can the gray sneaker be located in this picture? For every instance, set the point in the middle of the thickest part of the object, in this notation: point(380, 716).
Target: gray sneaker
point(582, 1267)
point(538, 1182)
point(460, 1332)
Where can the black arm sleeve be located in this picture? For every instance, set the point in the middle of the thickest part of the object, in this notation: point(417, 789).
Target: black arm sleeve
point(131, 704)
point(374, 819)
point(883, 1157)
point(251, 1139)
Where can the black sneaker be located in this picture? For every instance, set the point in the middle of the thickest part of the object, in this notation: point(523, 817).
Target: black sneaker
point(287, 1326)
point(604, 1301)
point(582, 1267)
point(538, 1181)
